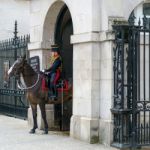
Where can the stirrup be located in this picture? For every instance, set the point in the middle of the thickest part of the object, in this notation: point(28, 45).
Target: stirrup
point(53, 97)
point(49, 93)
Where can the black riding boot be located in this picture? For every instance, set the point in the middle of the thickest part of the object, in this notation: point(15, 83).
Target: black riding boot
point(53, 92)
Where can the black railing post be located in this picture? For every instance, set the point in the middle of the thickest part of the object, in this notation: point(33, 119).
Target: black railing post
point(15, 41)
point(120, 110)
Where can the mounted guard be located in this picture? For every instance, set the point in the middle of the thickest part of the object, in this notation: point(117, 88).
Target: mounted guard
point(31, 81)
point(54, 72)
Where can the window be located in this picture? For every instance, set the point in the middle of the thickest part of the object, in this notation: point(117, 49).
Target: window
point(146, 12)
point(146, 9)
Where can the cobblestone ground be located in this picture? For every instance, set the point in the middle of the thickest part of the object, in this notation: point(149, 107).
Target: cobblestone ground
point(14, 135)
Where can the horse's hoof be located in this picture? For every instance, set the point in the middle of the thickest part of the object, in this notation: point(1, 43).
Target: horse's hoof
point(46, 131)
point(32, 131)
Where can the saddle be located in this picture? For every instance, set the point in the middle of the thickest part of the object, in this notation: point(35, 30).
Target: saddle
point(62, 85)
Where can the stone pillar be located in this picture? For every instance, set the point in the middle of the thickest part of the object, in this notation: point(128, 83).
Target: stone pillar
point(106, 92)
point(41, 49)
point(106, 86)
point(86, 58)
point(93, 87)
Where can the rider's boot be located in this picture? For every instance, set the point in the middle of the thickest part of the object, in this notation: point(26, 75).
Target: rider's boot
point(49, 93)
point(53, 93)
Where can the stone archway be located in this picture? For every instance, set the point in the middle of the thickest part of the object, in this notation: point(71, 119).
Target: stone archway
point(58, 28)
point(50, 21)
point(130, 6)
point(86, 57)
point(139, 11)
point(63, 32)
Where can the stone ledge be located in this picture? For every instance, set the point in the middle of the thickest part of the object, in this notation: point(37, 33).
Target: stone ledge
point(44, 45)
point(75, 39)
point(107, 36)
point(92, 37)
point(85, 37)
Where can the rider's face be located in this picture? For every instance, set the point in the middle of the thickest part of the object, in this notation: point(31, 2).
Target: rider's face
point(54, 54)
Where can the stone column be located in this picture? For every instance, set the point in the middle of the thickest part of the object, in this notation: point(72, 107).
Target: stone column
point(106, 88)
point(41, 49)
point(93, 87)
point(86, 58)
point(106, 83)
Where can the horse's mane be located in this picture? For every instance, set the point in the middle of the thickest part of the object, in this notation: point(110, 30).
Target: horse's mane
point(28, 70)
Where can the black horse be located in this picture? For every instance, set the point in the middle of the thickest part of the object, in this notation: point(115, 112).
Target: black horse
point(31, 81)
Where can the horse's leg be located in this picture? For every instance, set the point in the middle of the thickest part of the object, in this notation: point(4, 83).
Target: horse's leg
point(34, 114)
point(43, 113)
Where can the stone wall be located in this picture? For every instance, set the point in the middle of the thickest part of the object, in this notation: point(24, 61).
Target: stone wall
point(92, 41)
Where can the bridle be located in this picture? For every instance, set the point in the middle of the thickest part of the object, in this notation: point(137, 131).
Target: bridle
point(20, 78)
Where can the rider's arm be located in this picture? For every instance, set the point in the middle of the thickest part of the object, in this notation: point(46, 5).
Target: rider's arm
point(56, 65)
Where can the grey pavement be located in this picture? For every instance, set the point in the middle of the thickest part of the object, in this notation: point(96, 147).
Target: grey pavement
point(14, 135)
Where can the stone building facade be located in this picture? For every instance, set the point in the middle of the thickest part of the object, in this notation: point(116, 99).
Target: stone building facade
point(90, 40)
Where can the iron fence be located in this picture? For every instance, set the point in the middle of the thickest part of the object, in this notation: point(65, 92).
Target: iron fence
point(131, 109)
point(12, 100)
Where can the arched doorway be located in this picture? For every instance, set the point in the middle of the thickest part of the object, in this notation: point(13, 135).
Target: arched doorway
point(63, 31)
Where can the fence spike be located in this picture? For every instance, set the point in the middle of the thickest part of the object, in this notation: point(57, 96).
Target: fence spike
point(144, 21)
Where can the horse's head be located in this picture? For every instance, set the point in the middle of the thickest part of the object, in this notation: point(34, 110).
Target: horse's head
point(17, 67)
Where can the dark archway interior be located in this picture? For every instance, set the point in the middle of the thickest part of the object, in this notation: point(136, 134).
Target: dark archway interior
point(63, 31)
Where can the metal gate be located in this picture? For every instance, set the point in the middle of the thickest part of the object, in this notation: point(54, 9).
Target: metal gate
point(131, 108)
point(12, 100)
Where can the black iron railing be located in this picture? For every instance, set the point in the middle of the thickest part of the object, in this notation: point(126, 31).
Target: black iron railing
point(12, 100)
point(131, 108)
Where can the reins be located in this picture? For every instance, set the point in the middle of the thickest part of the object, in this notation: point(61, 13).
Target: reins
point(20, 86)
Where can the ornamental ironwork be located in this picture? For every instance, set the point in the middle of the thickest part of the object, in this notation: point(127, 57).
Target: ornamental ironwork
point(12, 100)
point(131, 108)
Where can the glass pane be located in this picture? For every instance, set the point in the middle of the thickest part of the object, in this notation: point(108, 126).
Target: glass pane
point(146, 9)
